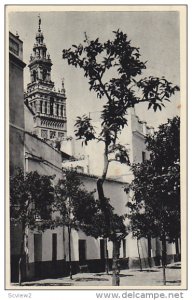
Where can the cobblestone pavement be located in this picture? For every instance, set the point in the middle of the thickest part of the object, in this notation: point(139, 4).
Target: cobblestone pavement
point(132, 277)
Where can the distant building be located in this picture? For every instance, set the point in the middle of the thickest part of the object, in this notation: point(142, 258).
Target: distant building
point(48, 106)
point(89, 158)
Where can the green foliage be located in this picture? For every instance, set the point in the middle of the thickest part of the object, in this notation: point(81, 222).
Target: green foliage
point(112, 69)
point(99, 227)
point(155, 210)
point(156, 90)
point(74, 203)
point(79, 209)
point(84, 129)
point(120, 152)
point(31, 199)
point(164, 145)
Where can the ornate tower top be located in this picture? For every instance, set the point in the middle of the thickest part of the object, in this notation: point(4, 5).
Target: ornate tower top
point(40, 62)
point(49, 106)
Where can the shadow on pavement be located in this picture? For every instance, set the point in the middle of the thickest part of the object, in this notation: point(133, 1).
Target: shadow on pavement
point(91, 279)
point(174, 281)
point(150, 271)
point(102, 274)
point(121, 275)
point(125, 275)
point(47, 284)
point(174, 267)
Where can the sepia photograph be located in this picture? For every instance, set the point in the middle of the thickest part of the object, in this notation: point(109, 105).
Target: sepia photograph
point(96, 108)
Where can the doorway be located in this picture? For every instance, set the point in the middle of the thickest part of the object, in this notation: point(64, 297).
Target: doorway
point(37, 254)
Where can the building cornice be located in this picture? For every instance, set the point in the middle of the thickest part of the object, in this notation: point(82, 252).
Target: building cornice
point(139, 134)
point(13, 58)
point(96, 177)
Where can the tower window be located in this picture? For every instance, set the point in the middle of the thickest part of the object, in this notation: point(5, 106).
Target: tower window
point(45, 107)
point(44, 134)
point(51, 106)
point(62, 110)
point(52, 134)
point(34, 75)
point(61, 135)
point(44, 74)
point(57, 109)
point(41, 104)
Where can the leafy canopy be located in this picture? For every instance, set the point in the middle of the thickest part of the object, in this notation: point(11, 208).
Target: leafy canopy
point(155, 210)
point(31, 199)
point(112, 69)
point(74, 203)
point(79, 209)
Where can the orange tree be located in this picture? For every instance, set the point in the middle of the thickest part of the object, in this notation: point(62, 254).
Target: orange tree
point(155, 209)
point(31, 199)
point(78, 209)
point(112, 69)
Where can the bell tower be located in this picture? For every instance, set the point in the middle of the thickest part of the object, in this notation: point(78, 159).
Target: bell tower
point(48, 106)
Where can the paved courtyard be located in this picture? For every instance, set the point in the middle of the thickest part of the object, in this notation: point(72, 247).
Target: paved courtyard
point(132, 277)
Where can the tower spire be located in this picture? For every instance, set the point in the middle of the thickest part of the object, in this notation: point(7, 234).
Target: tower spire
point(62, 84)
point(39, 29)
point(48, 105)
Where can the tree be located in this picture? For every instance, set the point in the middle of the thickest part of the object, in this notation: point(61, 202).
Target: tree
point(75, 205)
point(98, 227)
point(31, 199)
point(155, 211)
point(78, 209)
point(112, 69)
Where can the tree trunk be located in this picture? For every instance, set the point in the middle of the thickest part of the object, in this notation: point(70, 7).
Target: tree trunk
point(139, 255)
point(107, 214)
point(177, 246)
point(64, 253)
point(69, 244)
point(22, 252)
point(20, 271)
point(164, 256)
point(106, 257)
point(115, 265)
point(149, 251)
point(177, 249)
point(115, 278)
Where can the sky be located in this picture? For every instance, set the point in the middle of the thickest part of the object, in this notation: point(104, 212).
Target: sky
point(156, 33)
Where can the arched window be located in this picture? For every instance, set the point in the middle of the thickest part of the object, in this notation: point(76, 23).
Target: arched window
point(44, 74)
point(62, 110)
point(34, 75)
point(41, 104)
point(51, 106)
point(45, 107)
